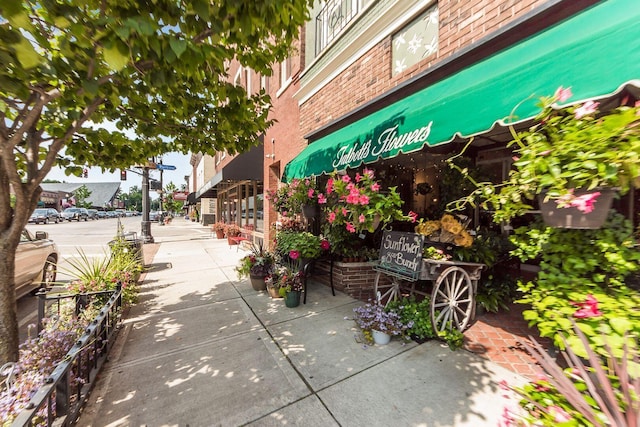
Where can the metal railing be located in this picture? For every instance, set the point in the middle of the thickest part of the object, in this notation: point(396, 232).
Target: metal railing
point(331, 20)
point(66, 390)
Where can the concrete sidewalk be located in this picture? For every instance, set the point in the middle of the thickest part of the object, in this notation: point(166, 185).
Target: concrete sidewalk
point(202, 348)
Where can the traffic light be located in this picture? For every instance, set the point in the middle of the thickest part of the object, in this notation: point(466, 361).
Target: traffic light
point(85, 173)
point(123, 174)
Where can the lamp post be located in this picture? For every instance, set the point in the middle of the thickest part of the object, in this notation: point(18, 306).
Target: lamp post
point(146, 224)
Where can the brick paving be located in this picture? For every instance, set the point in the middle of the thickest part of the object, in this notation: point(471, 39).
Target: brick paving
point(498, 337)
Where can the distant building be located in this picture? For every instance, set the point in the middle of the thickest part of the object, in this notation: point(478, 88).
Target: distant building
point(62, 195)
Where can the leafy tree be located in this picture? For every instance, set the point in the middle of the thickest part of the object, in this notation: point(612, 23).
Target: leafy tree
point(80, 77)
point(81, 195)
point(170, 204)
point(134, 198)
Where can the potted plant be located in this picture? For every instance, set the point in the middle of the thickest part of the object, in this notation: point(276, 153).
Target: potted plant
point(298, 196)
point(378, 323)
point(573, 158)
point(417, 316)
point(272, 282)
point(257, 265)
point(358, 204)
point(300, 246)
point(232, 230)
point(219, 228)
point(291, 284)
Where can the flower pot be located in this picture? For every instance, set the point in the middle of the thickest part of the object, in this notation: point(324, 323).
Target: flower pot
point(310, 210)
point(219, 234)
point(572, 217)
point(273, 292)
point(257, 282)
point(380, 338)
point(376, 221)
point(292, 299)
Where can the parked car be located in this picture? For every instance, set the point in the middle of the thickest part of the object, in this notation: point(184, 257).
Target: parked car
point(36, 260)
point(45, 216)
point(102, 214)
point(155, 216)
point(93, 213)
point(75, 214)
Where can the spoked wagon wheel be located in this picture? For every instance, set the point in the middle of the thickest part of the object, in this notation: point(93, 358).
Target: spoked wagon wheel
point(391, 294)
point(452, 300)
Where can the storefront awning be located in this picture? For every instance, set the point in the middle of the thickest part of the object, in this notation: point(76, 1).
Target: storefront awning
point(596, 53)
point(245, 166)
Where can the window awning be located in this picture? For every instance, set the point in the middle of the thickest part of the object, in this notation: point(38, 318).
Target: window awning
point(596, 53)
point(245, 166)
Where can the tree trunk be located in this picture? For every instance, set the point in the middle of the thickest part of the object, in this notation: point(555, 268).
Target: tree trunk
point(9, 339)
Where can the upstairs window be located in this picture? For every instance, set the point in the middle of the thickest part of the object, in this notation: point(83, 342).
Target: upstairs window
point(416, 41)
point(285, 72)
point(334, 16)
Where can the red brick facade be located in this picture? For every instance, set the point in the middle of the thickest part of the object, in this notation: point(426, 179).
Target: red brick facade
point(370, 76)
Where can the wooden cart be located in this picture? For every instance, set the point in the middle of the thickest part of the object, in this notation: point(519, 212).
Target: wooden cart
point(455, 283)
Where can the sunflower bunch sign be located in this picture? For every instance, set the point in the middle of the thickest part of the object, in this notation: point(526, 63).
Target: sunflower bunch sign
point(447, 229)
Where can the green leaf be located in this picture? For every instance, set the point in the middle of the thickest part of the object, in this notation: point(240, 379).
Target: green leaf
point(178, 46)
point(620, 325)
point(115, 58)
point(27, 55)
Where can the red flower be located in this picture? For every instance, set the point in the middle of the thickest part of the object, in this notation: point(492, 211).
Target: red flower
point(325, 245)
point(413, 215)
point(294, 254)
point(588, 308)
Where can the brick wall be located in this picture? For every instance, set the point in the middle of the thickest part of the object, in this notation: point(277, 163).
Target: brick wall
point(355, 279)
point(370, 76)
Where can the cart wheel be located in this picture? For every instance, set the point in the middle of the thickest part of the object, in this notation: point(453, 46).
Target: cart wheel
point(452, 300)
point(391, 294)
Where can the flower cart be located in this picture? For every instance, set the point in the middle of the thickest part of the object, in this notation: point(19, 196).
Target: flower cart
point(454, 283)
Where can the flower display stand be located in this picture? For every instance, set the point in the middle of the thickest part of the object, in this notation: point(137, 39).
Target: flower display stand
point(572, 217)
point(292, 299)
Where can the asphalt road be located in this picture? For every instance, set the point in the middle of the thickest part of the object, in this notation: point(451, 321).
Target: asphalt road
point(73, 238)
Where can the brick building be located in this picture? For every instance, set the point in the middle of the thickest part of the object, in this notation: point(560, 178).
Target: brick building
point(401, 85)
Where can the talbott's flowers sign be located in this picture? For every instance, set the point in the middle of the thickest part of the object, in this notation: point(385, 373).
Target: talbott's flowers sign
point(388, 144)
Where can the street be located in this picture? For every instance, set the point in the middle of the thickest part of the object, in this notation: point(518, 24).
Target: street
point(91, 237)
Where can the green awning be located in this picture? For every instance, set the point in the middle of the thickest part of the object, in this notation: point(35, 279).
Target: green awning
point(596, 53)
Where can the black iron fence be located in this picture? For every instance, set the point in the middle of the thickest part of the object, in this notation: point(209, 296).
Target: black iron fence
point(65, 391)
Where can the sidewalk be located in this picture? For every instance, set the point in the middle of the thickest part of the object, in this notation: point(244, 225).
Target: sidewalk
point(202, 349)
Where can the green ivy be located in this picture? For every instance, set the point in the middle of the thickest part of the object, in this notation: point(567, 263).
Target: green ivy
point(576, 264)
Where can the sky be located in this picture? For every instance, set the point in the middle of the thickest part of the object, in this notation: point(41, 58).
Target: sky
point(180, 161)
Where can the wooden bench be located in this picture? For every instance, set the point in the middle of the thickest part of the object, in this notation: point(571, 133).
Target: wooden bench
point(246, 235)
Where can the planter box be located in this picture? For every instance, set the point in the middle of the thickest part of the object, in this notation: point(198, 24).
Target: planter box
point(355, 279)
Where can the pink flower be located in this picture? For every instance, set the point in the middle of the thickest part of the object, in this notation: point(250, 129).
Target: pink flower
point(515, 158)
point(358, 177)
point(344, 211)
point(332, 217)
point(346, 178)
point(294, 254)
point(325, 245)
point(544, 153)
point(413, 216)
point(350, 227)
point(375, 187)
point(322, 199)
point(588, 308)
point(329, 185)
point(310, 193)
point(584, 203)
point(369, 173)
point(562, 94)
point(363, 200)
point(361, 218)
point(559, 414)
point(587, 108)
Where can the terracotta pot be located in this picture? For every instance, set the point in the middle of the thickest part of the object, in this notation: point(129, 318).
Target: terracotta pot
point(571, 217)
point(273, 292)
point(219, 234)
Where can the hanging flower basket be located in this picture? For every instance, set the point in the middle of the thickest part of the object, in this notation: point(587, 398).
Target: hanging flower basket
point(574, 213)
